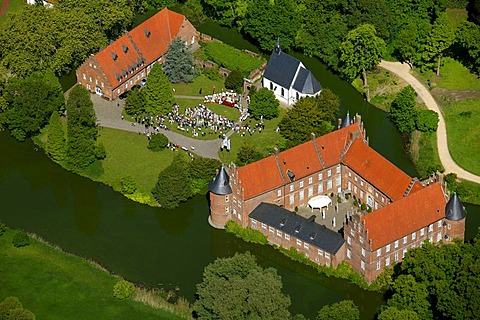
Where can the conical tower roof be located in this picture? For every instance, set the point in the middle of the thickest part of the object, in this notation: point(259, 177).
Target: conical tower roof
point(454, 210)
point(346, 121)
point(221, 184)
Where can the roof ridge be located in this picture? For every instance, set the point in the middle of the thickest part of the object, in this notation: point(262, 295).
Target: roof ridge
point(168, 24)
point(317, 151)
point(279, 167)
point(137, 49)
point(347, 146)
point(410, 186)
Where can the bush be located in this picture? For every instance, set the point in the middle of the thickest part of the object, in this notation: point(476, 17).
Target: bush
point(234, 80)
point(355, 202)
point(128, 185)
point(19, 134)
point(426, 121)
point(11, 308)
point(3, 228)
point(339, 199)
point(158, 142)
point(100, 152)
point(247, 234)
point(123, 289)
point(363, 206)
point(347, 196)
point(20, 239)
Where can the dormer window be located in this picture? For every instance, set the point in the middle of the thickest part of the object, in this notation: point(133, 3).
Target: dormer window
point(313, 235)
point(290, 175)
point(124, 48)
point(283, 221)
point(114, 56)
point(297, 229)
point(147, 33)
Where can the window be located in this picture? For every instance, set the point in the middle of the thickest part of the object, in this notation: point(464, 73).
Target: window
point(338, 181)
point(352, 232)
point(361, 194)
point(226, 198)
point(254, 223)
point(403, 253)
point(363, 252)
point(404, 240)
point(301, 184)
point(226, 210)
point(310, 180)
point(239, 216)
point(299, 242)
point(301, 195)
point(234, 200)
point(413, 246)
point(430, 228)
point(439, 237)
point(271, 86)
point(383, 199)
point(88, 86)
point(90, 79)
point(349, 240)
point(310, 192)
point(320, 176)
point(338, 169)
point(279, 193)
point(271, 229)
point(84, 77)
point(279, 233)
point(102, 85)
point(378, 264)
point(379, 252)
point(355, 189)
point(395, 258)
point(292, 198)
point(361, 239)
point(291, 187)
point(376, 205)
point(349, 254)
point(439, 224)
point(356, 179)
point(234, 212)
point(329, 173)
point(305, 245)
point(329, 184)
point(422, 232)
point(387, 261)
point(414, 236)
point(320, 252)
point(287, 237)
point(370, 201)
point(94, 67)
point(96, 81)
point(264, 226)
point(387, 248)
point(362, 265)
point(349, 186)
point(283, 92)
point(376, 194)
point(396, 244)
point(320, 188)
point(361, 183)
point(327, 255)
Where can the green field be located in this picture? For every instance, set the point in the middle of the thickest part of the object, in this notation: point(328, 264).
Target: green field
point(200, 82)
point(263, 142)
point(463, 132)
point(127, 155)
point(453, 76)
point(54, 285)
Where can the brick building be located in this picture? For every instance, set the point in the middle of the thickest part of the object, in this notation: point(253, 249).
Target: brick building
point(129, 59)
point(404, 212)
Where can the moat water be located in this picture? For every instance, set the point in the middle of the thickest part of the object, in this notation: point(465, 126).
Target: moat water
point(170, 248)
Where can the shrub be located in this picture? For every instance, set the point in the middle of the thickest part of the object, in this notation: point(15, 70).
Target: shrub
point(339, 199)
point(369, 209)
point(347, 196)
point(363, 206)
point(19, 134)
point(296, 209)
point(247, 234)
point(20, 239)
point(426, 121)
point(234, 80)
point(158, 142)
point(3, 228)
point(355, 202)
point(128, 185)
point(100, 152)
point(123, 289)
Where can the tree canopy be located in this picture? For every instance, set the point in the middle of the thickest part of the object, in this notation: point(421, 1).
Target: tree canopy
point(56, 142)
point(238, 288)
point(264, 104)
point(178, 66)
point(402, 110)
point(343, 310)
point(157, 92)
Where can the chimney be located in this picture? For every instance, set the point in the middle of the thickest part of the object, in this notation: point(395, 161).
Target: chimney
point(275, 151)
point(339, 122)
point(313, 136)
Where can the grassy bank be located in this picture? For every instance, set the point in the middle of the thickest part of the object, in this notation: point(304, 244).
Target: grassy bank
point(199, 82)
point(55, 285)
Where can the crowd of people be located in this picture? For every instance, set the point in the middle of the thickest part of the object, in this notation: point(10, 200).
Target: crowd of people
point(226, 98)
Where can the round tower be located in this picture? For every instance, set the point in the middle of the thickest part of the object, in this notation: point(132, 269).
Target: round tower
point(220, 197)
point(455, 215)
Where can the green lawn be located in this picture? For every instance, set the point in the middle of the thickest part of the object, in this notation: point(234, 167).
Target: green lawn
point(263, 142)
point(127, 155)
point(457, 16)
point(462, 119)
point(200, 82)
point(15, 5)
point(54, 285)
point(453, 76)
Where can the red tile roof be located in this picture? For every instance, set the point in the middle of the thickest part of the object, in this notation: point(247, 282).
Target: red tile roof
point(302, 160)
point(332, 144)
point(259, 177)
point(377, 170)
point(405, 216)
point(163, 27)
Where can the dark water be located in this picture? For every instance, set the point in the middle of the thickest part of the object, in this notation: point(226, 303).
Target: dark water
point(170, 248)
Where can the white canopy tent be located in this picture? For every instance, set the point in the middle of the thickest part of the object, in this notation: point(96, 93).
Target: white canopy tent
point(320, 202)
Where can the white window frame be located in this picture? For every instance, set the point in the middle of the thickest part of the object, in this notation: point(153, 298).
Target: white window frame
point(387, 248)
point(379, 252)
point(396, 244)
point(310, 180)
point(362, 265)
point(279, 192)
point(329, 173)
point(379, 264)
point(387, 261)
point(271, 229)
point(363, 252)
point(301, 184)
point(287, 236)
point(299, 242)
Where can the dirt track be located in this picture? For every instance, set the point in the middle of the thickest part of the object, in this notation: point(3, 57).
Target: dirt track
point(4, 8)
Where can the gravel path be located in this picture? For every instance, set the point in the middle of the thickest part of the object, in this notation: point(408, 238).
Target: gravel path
point(403, 71)
point(109, 115)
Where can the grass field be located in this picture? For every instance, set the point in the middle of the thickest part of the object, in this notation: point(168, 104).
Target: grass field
point(15, 5)
point(453, 76)
point(200, 82)
point(263, 142)
point(55, 285)
point(462, 119)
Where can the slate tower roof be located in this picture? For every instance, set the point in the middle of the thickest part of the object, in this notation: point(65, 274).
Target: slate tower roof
point(346, 121)
point(454, 210)
point(306, 82)
point(221, 184)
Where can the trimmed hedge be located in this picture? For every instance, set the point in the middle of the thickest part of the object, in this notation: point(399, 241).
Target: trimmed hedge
point(247, 234)
point(231, 58)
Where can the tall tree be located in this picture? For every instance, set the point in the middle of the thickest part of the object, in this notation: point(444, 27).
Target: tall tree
point(362, 50)
point(56, 142)
point(247, 154)
point(225, 12)
point(81, 128)
point(158, 92)
point(402, 110)
point(178, 66)
point(439, 40)
point(135, 102)
point(343, 310)
point(264, 104)
point(392, 313)
point(238, 288)
point(30, 102)
point(468, 39)
point(410, 41)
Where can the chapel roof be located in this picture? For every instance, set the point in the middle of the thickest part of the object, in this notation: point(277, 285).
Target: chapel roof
point(281, 68)
point(306, 83)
